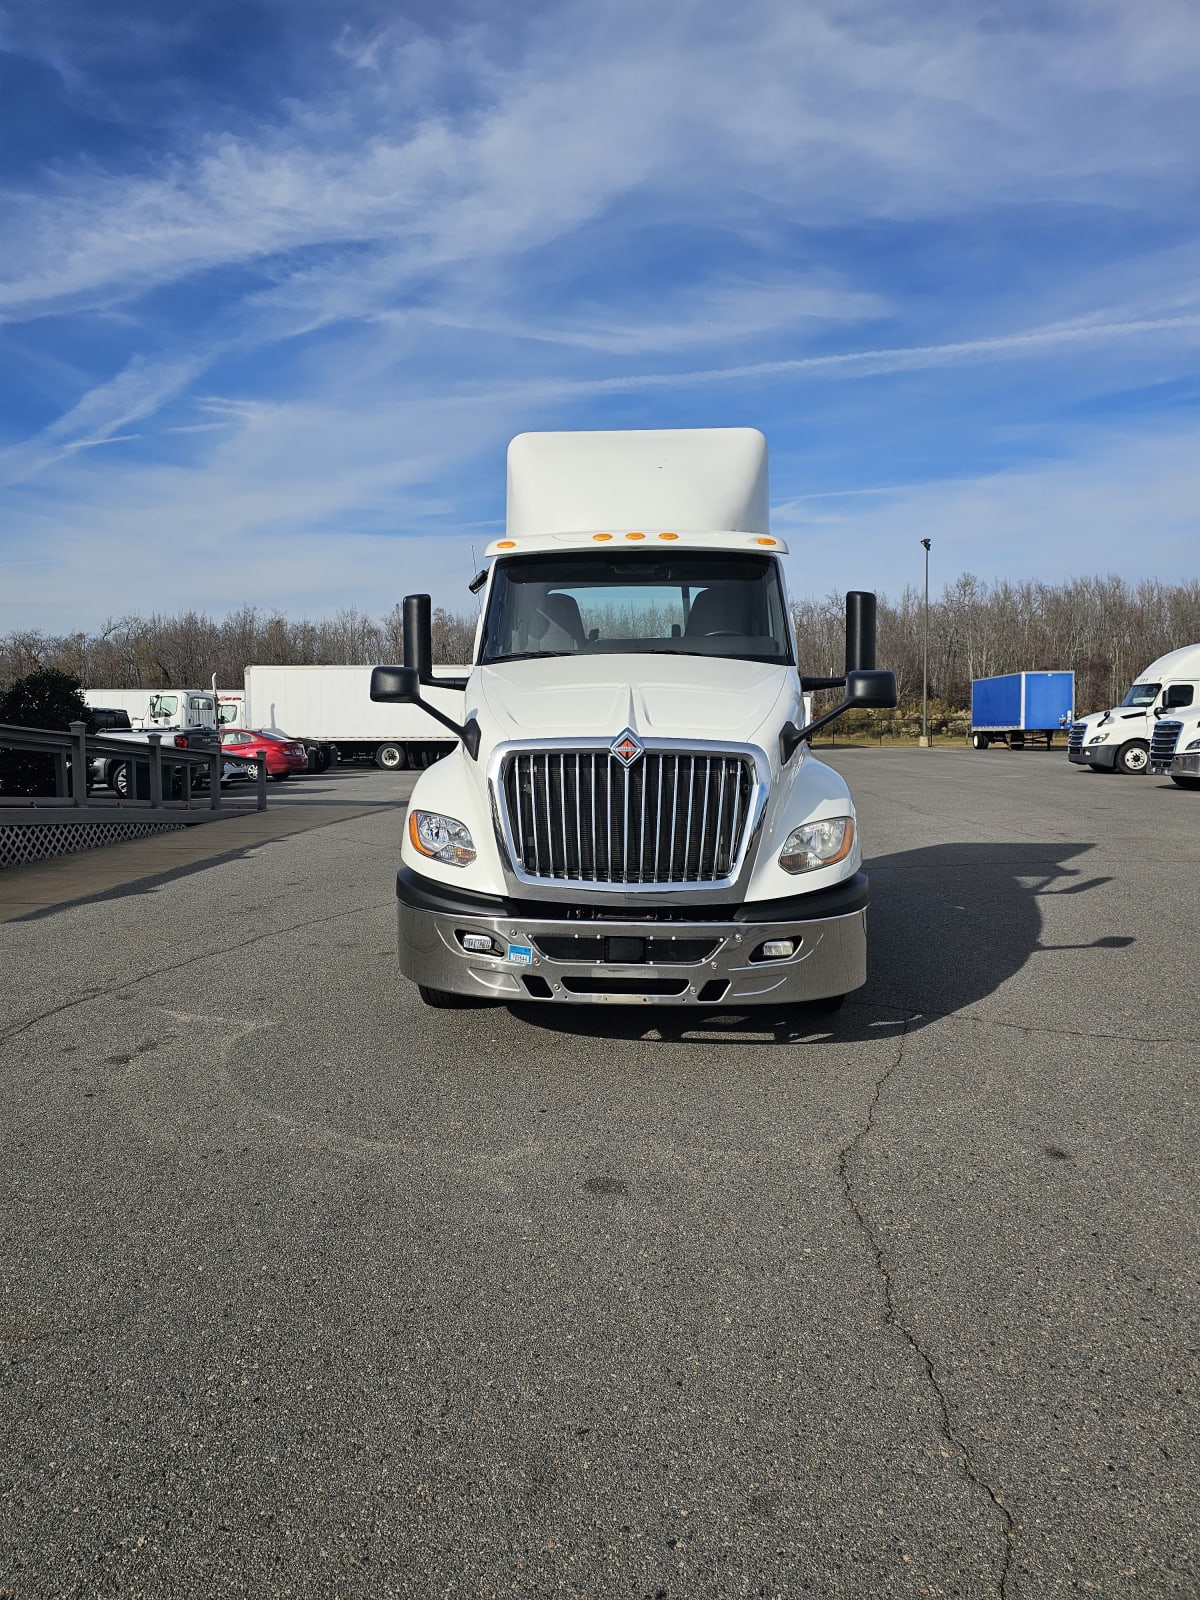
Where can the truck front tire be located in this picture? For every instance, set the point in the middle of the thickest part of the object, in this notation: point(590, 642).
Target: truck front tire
point(1133, 757)
point(391, 757)
point(443, 1000)
point(1186, 783)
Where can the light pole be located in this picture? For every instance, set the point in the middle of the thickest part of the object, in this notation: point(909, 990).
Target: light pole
point(925, 543)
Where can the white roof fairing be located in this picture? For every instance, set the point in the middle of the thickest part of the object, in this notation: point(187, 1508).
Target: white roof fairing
point(687, 480)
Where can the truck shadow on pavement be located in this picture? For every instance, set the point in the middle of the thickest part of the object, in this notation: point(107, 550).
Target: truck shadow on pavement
point(948, 924)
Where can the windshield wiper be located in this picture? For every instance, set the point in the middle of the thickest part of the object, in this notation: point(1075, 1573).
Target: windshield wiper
point(524, 655)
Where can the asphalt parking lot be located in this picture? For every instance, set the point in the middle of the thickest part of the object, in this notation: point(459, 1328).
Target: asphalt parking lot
point(308, 1291)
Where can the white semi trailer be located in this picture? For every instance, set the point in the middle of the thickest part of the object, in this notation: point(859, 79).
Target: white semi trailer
point(331, 710)
point(1118, 740)
point(632, 813)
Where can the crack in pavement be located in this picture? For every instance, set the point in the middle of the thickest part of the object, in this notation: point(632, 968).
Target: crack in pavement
point(893, 1318)
point(1044, 1029)
point(105, 990)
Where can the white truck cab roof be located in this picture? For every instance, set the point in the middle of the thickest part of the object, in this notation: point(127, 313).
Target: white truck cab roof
point(1183, 664)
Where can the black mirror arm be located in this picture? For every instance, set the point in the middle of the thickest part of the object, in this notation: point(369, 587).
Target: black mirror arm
point(791, 737)
point(401, 686)
point(469, 732)
point(867, 689)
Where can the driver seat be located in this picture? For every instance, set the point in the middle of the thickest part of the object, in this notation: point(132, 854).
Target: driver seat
point(714, 611)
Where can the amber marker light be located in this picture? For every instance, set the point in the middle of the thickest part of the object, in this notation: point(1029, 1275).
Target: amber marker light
point(506, 544)
point(764, 541)
point(635, 535)
point(668, 536)
point(601, 537)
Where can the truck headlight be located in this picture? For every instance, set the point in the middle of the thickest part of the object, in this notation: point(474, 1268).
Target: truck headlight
point(1098, 738)
point(441, 838)
point(1195, 745)
point(818, 844)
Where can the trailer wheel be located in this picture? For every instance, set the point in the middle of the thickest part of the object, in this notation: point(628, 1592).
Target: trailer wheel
point(980, 741)
point(391, 757)
point(1133, 757)
point(1186, 783)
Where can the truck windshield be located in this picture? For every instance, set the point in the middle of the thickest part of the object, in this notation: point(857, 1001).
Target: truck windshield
point(1142, 694)
point(692, 602)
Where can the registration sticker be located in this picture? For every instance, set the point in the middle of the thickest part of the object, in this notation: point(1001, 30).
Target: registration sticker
point(520, 954)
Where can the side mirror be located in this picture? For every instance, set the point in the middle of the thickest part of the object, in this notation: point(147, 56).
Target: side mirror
point(397, 685)
point(871, 690)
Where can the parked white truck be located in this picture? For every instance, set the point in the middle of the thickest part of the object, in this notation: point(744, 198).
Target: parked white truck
point(330, 710)
point(187, 719)
point(1118, 740)
point(632, 813)
point(1175, 749)
point(162, 709)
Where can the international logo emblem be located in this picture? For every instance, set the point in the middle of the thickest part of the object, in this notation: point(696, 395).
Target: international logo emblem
point(627, 748)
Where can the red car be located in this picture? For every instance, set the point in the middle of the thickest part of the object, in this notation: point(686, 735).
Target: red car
point(252, 745)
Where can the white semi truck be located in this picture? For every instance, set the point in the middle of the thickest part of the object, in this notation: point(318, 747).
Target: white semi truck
point(1175, 748)
point(330, 709)
point(632, 813)
point(1118, 740)
point(169, 708)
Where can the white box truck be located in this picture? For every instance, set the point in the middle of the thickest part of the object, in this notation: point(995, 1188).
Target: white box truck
point(1118, 740)
point(160, 708)
point(632, 813)
point(331, 711)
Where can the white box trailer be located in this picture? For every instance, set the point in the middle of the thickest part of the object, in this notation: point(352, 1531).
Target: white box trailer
point(331, 710)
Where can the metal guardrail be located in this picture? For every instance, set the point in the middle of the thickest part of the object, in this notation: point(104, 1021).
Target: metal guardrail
point(74, 750)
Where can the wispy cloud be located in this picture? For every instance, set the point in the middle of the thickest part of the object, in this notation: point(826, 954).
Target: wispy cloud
point(140, 390)
point(306, 307)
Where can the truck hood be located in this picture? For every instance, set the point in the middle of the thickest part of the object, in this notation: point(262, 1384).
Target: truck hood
point(599, 696)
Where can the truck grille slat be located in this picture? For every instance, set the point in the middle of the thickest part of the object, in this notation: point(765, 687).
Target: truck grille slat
point(1163, 742)
point(670, 818)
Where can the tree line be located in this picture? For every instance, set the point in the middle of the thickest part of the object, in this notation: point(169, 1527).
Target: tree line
point(1103, 629)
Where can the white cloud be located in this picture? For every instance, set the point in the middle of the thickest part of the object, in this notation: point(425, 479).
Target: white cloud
point(836, 112)
point(444, 200)
point(137, 392)
point(1114, 504)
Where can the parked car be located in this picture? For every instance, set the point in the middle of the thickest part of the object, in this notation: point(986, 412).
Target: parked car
point(115, 770)
point(249, 746)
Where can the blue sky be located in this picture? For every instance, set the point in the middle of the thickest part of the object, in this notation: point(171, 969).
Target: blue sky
point(280, 278)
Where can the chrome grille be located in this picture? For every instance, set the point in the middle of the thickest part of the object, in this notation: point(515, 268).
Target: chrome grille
point(1075, 737)
point(671, 818)
point(1163, 742)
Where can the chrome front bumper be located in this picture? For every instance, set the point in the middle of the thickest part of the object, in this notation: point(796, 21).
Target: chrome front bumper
point(1187, 766)
point(540, 953)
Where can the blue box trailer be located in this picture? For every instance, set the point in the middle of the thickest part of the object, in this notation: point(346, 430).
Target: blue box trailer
point(1020, 706)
